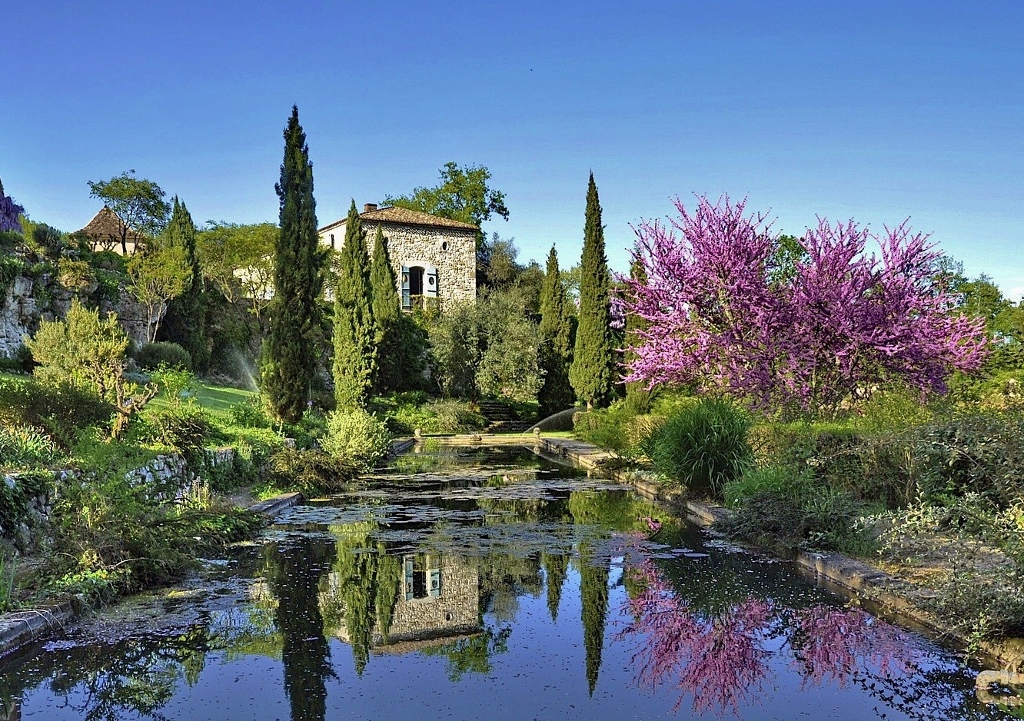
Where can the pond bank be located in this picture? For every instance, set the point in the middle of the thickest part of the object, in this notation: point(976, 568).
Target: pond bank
point(862, 582)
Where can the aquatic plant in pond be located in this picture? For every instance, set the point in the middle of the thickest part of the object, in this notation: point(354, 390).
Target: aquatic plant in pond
point(837, 322)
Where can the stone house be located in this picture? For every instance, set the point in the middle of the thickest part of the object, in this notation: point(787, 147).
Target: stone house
point(438, 601)
point(432, 257)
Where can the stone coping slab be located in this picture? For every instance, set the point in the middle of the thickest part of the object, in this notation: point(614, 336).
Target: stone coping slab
point(850, 576)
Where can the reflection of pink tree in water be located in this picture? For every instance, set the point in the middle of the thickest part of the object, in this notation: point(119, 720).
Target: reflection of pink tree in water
point(722, 661)
point(833, 643)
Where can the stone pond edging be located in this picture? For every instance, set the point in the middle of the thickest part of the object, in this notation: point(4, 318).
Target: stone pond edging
point(854, 578)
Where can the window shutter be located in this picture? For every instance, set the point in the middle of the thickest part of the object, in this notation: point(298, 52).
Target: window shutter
point(435, 582)
point(409, 566)
point(430, 282)
point(406, 298)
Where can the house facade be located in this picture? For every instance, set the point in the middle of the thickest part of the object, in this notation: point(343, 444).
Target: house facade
point(434, 258)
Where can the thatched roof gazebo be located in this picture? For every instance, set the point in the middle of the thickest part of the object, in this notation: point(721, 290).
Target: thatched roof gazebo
point(106, 231)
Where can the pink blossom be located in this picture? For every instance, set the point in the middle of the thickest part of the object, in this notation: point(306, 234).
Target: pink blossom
point(838, 326)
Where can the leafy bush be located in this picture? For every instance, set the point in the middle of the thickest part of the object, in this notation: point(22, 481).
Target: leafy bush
point(356, 437)
point(250, 413)
point(116, 540)
point(774, 504)
point(773, 479)
point(438, 416)
point(702, 446)
point(979, 453)
point(18, 362)
point(311, 472)
point(184, 428)
point(62, 411)
point(152, 355)
point(22, 446)
point(606, 428)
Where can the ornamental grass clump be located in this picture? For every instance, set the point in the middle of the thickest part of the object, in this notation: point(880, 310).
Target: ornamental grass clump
point(702, 446)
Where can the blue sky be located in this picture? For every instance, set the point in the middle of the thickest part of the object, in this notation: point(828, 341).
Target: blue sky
point(876, 111)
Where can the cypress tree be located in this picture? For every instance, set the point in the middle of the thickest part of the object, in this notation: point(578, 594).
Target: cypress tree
point(592, 373)
point(400, 343)
point(185, 320)
point(594, 602)
point(555, 349)
point(355, 333)
point(636, 392)
point(290, 351)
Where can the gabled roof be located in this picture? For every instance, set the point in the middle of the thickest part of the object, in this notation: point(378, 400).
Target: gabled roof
point(404, 216)
point(106, 224)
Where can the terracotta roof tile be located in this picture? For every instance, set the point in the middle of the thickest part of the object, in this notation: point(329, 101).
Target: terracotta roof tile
point(405, 217)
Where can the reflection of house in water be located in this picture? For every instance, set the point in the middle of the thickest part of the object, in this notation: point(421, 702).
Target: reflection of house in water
point(437, 602)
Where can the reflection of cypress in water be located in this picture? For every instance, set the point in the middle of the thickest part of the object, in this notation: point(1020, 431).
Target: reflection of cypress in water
point(555, 568)
point(594, 594)
point(295, 580)
point(368, 583)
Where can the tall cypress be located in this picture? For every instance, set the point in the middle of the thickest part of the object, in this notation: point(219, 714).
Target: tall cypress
point(594, 602)
point(555, 333)
point(592, 373)
point(290, 351)
point(185, 320)
point(636, 391)
point(355, 334)
point(399, 341)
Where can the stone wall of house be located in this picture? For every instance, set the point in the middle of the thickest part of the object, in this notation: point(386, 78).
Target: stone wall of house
point(454, 612)
point(29, 301)
point(452, 251)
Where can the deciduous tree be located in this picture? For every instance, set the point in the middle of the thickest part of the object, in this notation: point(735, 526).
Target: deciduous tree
point(138, 202)
point(158, 275)
point(843, 324)
point(290, 351)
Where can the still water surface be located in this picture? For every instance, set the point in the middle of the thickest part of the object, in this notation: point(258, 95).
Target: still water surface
point(489, 584)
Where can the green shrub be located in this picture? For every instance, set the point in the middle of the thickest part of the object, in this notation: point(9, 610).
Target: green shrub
point(405, 412)
point(608, 428)
point(311, 472)
point(20, 361)
point(152, 355)
point(702, 446)
point(115, 539)
point(62, 411)
point(184, 428)
point(251, 413)
point(22, 446)
point(356, 437)
point(795, 513)
point(773, 479)
point(980, 453)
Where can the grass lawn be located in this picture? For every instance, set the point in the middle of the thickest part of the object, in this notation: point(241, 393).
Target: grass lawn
point(213, 399)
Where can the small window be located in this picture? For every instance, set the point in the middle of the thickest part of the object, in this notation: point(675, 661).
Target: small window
point(444, 245)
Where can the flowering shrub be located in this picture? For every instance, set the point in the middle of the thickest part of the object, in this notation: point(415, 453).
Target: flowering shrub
point(726, 306)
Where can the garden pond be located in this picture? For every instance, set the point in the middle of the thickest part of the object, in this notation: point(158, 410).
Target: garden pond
point(488, 583)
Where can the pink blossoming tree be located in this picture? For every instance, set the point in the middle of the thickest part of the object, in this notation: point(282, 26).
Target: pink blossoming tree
point(721, 313)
